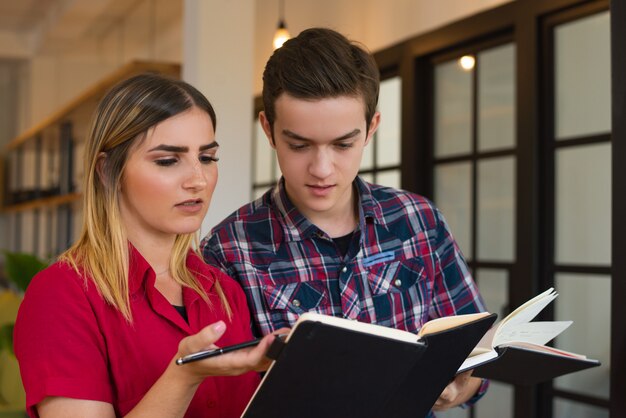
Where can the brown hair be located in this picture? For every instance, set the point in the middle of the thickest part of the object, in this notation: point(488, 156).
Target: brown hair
point(321, 63)
point(122, 119)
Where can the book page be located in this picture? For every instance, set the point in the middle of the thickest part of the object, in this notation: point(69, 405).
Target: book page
point(529, 310)
point(476, 358)
point(373, 329)
point(448, 322)
point(538, 333)
point(545, 349)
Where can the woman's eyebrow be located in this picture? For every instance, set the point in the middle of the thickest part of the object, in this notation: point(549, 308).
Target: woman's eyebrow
point(209, 146)
point(174, 148)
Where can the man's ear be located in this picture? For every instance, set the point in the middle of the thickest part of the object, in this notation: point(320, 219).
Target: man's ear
point(265, 124)
point(373, 127)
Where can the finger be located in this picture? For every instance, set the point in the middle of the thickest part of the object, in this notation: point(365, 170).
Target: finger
point(283, 330)
point(202, 340)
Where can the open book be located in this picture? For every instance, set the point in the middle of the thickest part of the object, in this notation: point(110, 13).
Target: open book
point(335, 368)
point(517, 346)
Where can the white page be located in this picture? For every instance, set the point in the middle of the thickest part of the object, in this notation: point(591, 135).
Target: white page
point(531, 332)
point(529, 310)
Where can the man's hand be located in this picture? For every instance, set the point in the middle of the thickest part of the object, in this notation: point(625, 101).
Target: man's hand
point(458, 391)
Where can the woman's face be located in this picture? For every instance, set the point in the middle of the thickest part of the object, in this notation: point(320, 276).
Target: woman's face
point(169, 178)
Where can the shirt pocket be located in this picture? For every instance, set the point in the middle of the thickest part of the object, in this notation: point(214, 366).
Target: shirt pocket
point(400, 291)
point(286, 302)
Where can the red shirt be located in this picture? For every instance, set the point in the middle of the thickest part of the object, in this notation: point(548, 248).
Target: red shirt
point(71, 343)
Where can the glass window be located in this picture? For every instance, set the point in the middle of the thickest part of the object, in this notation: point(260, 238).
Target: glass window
point(367, 177)
point(388, 135)
point(453, 196)
point(497, 402)
point(263, 156)
point(258, 192)
point(582, 77)
point(496, 209)
point(496, 98)
point(583, 205)
point(453, 110)
point(367, 161)
point(494, 288)
point(585, 299)
point(389, 178)
point(454, 413)
point(569, 409)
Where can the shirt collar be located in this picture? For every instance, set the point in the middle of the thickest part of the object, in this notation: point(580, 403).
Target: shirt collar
point(139, 270)
point(297, 226)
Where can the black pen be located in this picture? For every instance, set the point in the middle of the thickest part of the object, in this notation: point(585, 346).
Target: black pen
point(201, 355)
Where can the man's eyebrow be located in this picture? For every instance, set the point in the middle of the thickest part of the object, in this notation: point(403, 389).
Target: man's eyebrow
point(294, 135)
point(173, 148)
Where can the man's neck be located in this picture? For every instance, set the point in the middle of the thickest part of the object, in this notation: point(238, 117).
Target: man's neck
point(339, 221)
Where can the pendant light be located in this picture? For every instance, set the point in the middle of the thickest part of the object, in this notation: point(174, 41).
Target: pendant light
point(281, 34)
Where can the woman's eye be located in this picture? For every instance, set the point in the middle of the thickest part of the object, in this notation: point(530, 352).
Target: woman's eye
point(208, 159)
point(165, 162)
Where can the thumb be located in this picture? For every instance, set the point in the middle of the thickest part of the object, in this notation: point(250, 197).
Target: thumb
point(203, 340)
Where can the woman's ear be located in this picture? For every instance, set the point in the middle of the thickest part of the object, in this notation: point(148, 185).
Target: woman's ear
point(100, 168)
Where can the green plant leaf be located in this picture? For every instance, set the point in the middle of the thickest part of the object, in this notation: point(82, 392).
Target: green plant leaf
point(6, 337)
point(20, 268)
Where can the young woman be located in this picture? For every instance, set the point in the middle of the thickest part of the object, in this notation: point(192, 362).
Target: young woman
point(98, 331)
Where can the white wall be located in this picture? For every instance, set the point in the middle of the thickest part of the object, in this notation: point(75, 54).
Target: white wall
point(151, 30)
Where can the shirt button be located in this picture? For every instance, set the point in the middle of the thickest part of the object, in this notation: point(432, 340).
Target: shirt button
point(296, 303)
point(344, 269)
point(211, 403)
point(398, 283)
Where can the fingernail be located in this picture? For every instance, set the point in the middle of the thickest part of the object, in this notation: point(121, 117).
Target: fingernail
point(219, 327)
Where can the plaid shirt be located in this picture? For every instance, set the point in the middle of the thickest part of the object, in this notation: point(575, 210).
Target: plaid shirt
point(402, 267)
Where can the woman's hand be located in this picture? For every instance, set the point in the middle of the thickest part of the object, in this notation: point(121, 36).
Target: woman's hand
point(229, 364)
point(458, 391)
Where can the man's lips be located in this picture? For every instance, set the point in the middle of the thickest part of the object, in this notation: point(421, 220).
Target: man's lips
point(320, 186)
point(320, 190)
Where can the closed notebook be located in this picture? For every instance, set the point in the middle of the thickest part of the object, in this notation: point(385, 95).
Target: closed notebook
point(335, 368)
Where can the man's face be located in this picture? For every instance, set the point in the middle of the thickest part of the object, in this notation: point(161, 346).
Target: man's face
point(319, 145)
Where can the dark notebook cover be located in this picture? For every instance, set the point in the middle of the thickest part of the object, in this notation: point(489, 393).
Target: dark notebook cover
point(333, 372)
point(521, 366)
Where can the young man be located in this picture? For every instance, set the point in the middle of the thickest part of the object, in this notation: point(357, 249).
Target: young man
point(324, 240)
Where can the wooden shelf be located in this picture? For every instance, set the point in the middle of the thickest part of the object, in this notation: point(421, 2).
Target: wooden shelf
point(79, 108)
point(97, 89)
point(44, 202)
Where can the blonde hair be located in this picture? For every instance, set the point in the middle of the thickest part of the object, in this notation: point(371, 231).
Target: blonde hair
point(123, 118)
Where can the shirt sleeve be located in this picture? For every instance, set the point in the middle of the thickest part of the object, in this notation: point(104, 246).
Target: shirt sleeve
point(213, 254)
point(454, 292)
point(238, 304)
point(57, 341)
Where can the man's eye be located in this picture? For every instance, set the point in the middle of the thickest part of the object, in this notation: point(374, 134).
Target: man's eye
point(297, 147)
point(342, 145)
point(165, 162)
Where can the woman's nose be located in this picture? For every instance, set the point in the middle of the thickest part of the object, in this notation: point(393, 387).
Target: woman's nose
point(196, 178)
